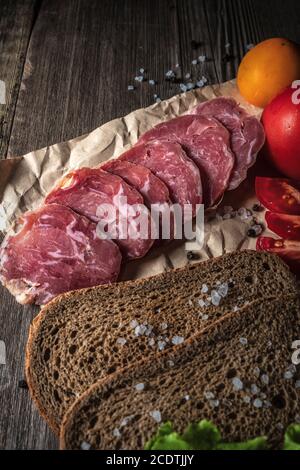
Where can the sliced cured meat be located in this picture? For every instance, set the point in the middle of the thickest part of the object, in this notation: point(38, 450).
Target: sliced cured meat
point(247, 133)
point(154, 191)
point(169, 162)
point(55, 250)
point(108, 200)
point(207, 143)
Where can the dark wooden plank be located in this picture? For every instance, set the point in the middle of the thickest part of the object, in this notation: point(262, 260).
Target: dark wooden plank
point(195, 40)
point(278, 18)
point(82, 55)
point(16, 21)
point(21, 427)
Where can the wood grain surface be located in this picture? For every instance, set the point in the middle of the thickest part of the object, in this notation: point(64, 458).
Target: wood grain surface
point(67, 66)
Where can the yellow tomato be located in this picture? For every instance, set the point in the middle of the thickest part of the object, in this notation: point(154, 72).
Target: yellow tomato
point(268, 69)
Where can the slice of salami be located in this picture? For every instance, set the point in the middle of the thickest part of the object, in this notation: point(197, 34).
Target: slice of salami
point(207, 143)
point(247, 133)
point(55, 250)
point(169, 162)
point(108, 200)
point(154, 191)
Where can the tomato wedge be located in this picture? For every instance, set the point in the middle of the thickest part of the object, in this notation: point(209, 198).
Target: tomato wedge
point(284, 225)
point(288, 250)
point(279, 194)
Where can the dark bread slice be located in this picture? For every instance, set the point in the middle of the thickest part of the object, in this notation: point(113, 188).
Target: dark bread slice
point(200, 380)
point(77, 338)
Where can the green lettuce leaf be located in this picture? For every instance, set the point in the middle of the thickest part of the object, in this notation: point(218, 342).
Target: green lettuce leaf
point(199, 436)
point(202, 436)
point(258, 443)
point(292, 438)
point(167, 439)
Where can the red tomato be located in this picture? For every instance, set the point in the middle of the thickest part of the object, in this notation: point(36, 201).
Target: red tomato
point(281, 120)
point(288, 250)
point(279, 194)
point(284, 225)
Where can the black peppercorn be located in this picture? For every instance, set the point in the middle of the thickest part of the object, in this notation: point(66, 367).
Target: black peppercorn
point(23, 384)
point(191, 255)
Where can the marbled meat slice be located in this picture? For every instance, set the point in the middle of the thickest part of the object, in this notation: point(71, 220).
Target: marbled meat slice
point(154, 191)
point(107, 199)
point(169, 162)
point(207, 142)
point(247, 133)
point(54, 250)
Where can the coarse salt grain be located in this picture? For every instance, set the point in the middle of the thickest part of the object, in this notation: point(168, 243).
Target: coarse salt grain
point(116, 432)
point(139, 387)
point(204, 317)
point(215, 298)
point(156, 415)
point(151, 82)
point(200, 83)
point(151, 342)
point(297, 384)
point(121, 341)
point(246, 399)
point(214, 403)
point(194, 62)
point(188, 75)
point(237, 383)
point(133, 323)
point(190, 86)
point(265, 379)
point(257, 403)
point(126, 420)
point(183, 87)
point(209, 395)
point(142, 70)
point(171, 363)
point(243, 341)
point(202, 58)
point(201, 303)
point(254, 389)
point(204, 288)
point(222, 289)
point(256, 371)
point(130, 87)
point(161, 345)
point(186, 397)
point(139, 78)
point(177, 339)
point(85, 446)
point(164, 326)
point(140, 330)
point(170, 74)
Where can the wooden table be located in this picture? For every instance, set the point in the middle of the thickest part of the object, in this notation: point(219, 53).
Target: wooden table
point(66, 66)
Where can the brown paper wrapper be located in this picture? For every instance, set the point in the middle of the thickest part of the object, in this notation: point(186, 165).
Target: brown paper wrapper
point(24, 181)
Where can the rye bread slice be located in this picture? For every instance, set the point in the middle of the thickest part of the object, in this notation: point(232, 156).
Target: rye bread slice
point(86, 335)
point(233, 373)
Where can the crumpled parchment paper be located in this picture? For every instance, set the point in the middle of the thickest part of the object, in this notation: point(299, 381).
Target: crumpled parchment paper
point(24, 181)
